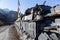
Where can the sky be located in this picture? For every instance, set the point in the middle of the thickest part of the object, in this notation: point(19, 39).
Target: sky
point(25, 4)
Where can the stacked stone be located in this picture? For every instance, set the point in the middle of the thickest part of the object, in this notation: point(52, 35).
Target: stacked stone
point(44, 22)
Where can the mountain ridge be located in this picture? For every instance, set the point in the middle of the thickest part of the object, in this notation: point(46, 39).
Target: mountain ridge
point(8, 16)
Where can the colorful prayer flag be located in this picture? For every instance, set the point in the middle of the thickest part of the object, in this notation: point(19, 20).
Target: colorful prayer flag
point(18, 9)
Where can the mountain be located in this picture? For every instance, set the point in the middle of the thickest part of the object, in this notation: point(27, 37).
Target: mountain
point(1, 11)
point(6, 10)
point(12, 16)
point(7, 16)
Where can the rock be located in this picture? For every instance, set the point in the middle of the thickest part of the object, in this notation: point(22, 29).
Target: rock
point(53, 36)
